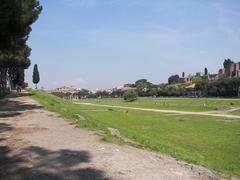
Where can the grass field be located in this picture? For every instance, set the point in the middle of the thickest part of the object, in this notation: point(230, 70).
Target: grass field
point(184, 104)
point(208, 141)
point(237, 112)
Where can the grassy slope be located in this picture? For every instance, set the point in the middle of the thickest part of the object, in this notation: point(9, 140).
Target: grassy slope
point(184, 104)
point(208, 141)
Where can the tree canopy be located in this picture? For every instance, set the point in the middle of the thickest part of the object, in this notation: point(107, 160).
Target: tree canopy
point(15, 26)
point(130, 95)
point(173, 79)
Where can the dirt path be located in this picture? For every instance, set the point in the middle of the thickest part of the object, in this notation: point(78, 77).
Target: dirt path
point(37, 144)
point(208, 113)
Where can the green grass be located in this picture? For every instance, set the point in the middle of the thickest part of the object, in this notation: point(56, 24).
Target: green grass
point(208, 141)
point(182, 104)
point(237, 112)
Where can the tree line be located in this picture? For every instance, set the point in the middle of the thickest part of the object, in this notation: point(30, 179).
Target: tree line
point(201, 86)
point(223, 87)
point(16, 18)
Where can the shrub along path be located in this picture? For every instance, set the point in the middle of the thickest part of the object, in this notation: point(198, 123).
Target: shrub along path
point(37, 144)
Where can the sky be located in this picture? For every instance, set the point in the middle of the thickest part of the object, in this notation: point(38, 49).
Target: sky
point(106, 43)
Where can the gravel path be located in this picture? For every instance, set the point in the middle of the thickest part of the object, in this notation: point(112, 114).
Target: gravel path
point(36, 144)
point(208, 113)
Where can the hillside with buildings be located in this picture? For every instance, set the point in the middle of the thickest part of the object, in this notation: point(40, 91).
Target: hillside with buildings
point(230, 69)
point(224, 83)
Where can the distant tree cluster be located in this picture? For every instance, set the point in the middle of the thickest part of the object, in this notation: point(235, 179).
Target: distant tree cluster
point(130, 95)
point(223, 87)
point(16, 17)
point(174, 79)
point(200, 85)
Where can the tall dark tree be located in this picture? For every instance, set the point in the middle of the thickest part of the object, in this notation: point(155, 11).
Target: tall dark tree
point(16, 17)
point(19, 77)
point(183, 74)
point(36, 76)
point(205, 71)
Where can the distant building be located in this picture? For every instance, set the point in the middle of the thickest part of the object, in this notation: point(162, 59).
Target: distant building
point(212, 77)
point(109, 91)
point(221, 72)
point(65, 89)
point(187, 79)
point(233, 70)
point(69, 91)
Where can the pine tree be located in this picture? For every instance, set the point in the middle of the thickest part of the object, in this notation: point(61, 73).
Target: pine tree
point(36, 76)
point(16, 18)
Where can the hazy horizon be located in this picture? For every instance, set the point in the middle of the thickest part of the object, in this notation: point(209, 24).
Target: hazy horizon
point(106, 43)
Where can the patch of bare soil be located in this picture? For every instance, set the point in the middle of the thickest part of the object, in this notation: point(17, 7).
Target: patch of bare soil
point(36, 144)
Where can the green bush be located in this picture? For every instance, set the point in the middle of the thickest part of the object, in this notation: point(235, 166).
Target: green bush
point(130, 95)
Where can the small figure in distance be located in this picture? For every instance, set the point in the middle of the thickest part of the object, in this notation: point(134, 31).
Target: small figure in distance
point(19, 89)
point(99, 99)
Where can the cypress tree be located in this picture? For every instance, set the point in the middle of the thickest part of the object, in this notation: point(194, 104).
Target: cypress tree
point(183, 74)
point(36, 76)
point(205, 71)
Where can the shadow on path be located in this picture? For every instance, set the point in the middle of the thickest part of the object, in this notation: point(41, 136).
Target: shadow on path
point(5, 127)
point(11, 107)
point(41, 164)
point(37, 163)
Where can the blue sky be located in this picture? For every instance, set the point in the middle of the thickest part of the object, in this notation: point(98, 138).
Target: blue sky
point(106, 43)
